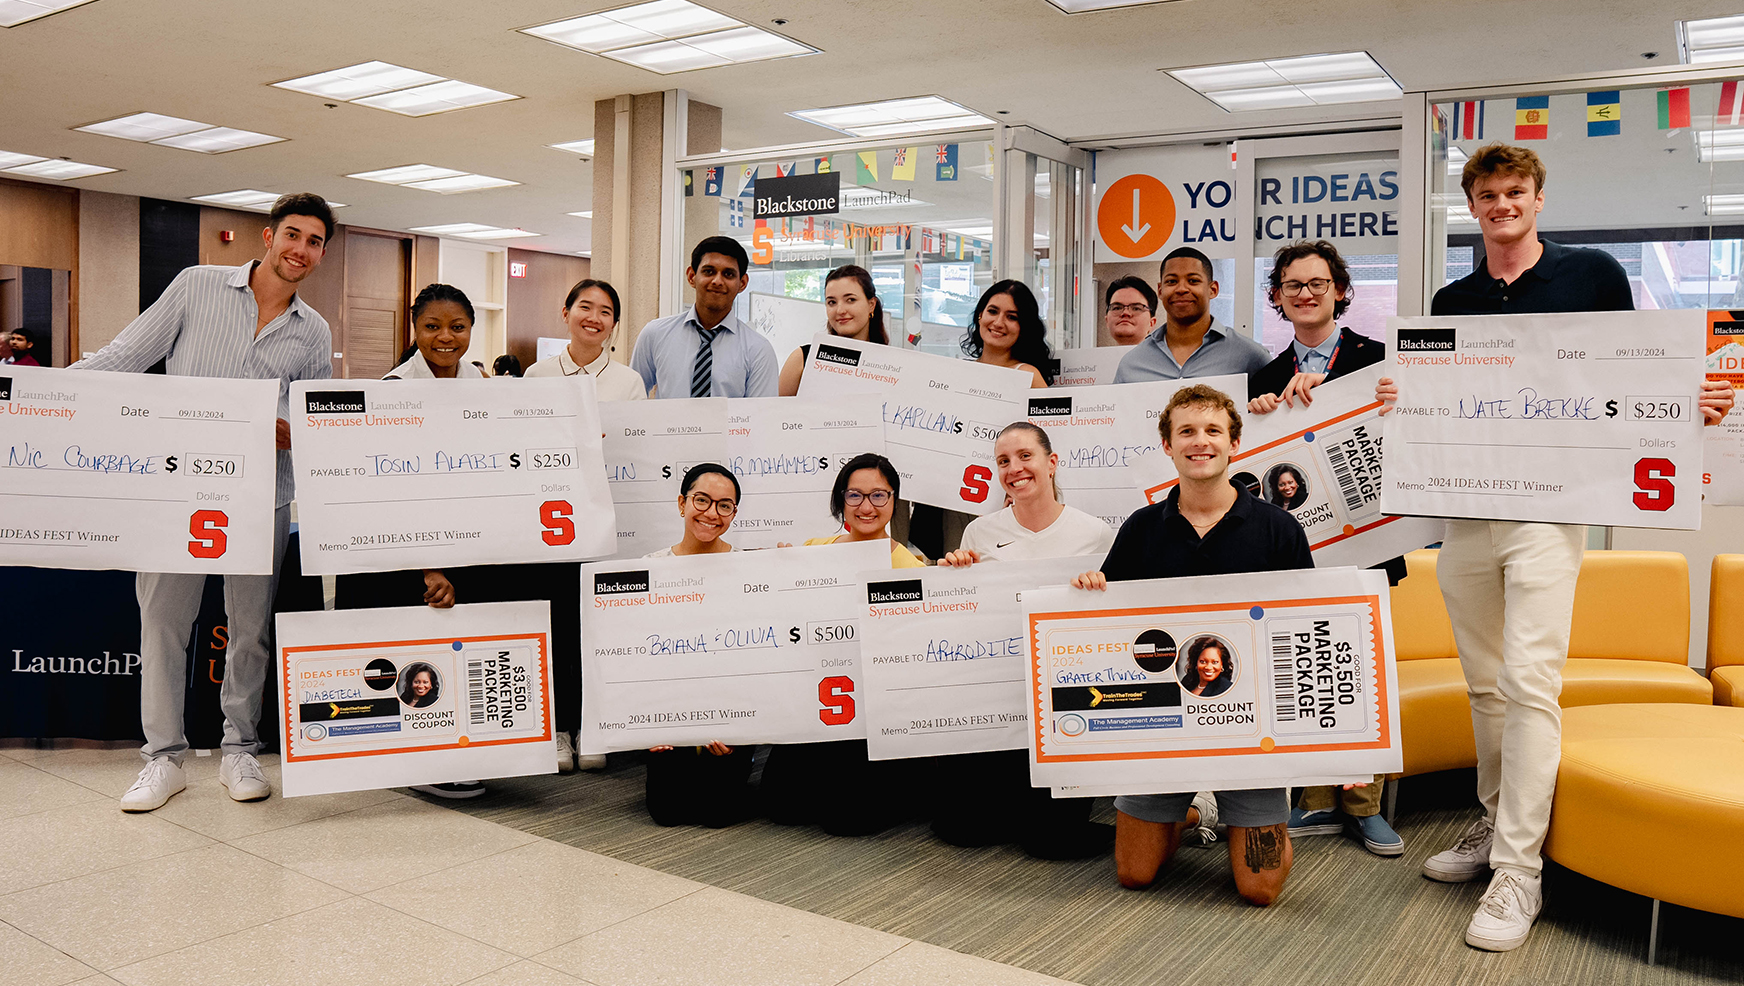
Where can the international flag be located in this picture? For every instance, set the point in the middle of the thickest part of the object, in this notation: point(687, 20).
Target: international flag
point(945, 162)
point(711, 181)
point(736, 213)
point(822, 165)
point(1532, 118)
point(1674, 110)
point(1731, 111)
point(1604, 113)
point(748, 181)
point(865, 167)
point(902, 169)
point(1468, 120)
point(953, 244)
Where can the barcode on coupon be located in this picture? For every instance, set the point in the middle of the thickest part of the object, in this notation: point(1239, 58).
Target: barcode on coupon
point(475, 689)
point(1347, 484)
point(1283, 681)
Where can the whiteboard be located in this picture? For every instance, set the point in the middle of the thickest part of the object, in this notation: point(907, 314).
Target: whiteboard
point(786, 322)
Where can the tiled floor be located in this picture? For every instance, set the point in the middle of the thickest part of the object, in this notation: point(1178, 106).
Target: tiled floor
point(377, 887)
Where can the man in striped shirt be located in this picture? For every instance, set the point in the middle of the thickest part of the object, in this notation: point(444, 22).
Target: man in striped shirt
point(242, 322)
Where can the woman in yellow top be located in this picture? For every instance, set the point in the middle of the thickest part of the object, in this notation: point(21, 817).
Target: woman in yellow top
point(862, 500)
point(836, 785)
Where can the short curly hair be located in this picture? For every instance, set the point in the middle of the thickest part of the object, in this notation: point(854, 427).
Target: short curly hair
point(1502, 159)
point(1302, 250)
point(1200, 395)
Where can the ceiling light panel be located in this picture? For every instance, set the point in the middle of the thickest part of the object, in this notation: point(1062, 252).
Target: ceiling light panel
point(669, 36)
point(11, 160)
point(1082, 6)
point(474, 231)
point(250, 199)
point(144, 127)
point(16, 12)
point(1716, 39)
point(218, 140)
point(1723, 205)
point(498, 234)
point(1719, 145)
point(582, 147)
point(894, 117)
point(460, 183)
point(583, 215)
point(358, 81)
point(1278, 83)
point(438, 97)
point(406, 173)
point(58, 170)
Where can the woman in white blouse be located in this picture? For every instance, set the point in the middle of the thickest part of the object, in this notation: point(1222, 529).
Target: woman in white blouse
point(591, 314)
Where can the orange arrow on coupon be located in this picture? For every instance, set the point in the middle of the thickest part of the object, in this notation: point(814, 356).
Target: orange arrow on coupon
point(1136, 217)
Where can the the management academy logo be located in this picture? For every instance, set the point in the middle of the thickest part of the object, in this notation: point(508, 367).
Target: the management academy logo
point(334, 402)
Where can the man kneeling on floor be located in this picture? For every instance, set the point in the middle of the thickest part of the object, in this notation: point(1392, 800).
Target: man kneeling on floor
point(1207, 526)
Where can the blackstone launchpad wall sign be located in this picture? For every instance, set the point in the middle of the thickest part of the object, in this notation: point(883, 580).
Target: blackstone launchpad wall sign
point(799, 195)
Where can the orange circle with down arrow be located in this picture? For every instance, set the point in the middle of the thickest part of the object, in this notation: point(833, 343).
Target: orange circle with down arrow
point(1136, 216)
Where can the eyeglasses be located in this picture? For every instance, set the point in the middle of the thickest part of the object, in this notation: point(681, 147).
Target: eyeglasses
point(701, 502)
point(1129, 309)
point(1316, 287)
point(879, 498)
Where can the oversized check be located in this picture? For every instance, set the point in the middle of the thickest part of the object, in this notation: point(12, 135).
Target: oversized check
point(1088, 367)
point(941, 415)
point(942, 656)
point(648, 447)
point(373, 698)
point(1723, 444)
point(741, 647)
point(1307, 686)
point(1587, 418)
point(135, 471)
point(1103, 433)
point(1322, 463)
point(398, 474)
point(786, 452)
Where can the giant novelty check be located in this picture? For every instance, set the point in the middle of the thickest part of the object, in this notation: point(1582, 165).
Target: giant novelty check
point(942, 656)
point(648, 447)
point(1088, 367)
point(1322, 463)
point(135, 471)
point(374, 698)
point(398, 474)
point(1585, 418)
point(1228, 681)
point(941, 415)
point(1102, 434)
point(1723, 444)
point(741, 647)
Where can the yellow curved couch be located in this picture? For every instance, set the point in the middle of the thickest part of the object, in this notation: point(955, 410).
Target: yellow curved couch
point(1630, 643)
point(1650, 798)
point(1726, 630)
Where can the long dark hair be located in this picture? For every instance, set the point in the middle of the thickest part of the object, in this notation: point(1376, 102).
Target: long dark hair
point(875, 325)
point(1032, 335)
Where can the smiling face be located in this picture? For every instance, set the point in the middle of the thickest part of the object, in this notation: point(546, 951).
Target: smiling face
point(1287, 485)
point(590, 319)
point(1129, 318)
point(1305, 311)
point(443, 332)
point(1026, 470)
point(709, 522)
point(717, 283)
point(847, 308)
point(998, 326)
point(1506, 207)
point(1185, 291)
point(1209, 664)
point(1199, 442)
point(422, 683)
point(295, 248)
point(866, 519)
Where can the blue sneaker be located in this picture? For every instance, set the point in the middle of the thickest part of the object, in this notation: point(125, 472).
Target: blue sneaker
point(1323, 822)
point(1376, 835)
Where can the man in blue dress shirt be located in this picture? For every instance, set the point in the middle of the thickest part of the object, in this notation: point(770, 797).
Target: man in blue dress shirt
point(707, 351)
point(1189, 343)
point(244, 322)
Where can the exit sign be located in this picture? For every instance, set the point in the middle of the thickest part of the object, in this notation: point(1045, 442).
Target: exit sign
point(517, 270)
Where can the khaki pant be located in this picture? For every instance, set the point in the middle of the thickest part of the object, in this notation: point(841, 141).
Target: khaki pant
point(1358, 802)
point(1509, 589)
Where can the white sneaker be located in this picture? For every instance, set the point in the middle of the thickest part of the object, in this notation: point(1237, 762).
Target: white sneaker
point(1205, 833)
point(1505, 915)
point(565, 754)
point(590, 761)
point(1467, 860)
point(161, 778)
point(240, 772)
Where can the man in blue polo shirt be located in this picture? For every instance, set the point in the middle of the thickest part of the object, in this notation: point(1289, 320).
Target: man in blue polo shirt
point(707, 351)
point(1208, 526)
point(1189, 343)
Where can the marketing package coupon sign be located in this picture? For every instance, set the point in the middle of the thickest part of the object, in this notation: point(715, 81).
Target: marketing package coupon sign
point(135, 471)
point(1322, 463)
point(1587, 418)
point(397, 474)
point(943, 656)
point(941, 415)
point(1101, 435)
point(1229, 681)
point(740, 647)
point(374, 698)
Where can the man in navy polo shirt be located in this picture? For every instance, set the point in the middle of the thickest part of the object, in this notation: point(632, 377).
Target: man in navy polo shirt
point(1208, 526)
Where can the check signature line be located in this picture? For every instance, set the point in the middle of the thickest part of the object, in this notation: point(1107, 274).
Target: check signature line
point(1595, 448)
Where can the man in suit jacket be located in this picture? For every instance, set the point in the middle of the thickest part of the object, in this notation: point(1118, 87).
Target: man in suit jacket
point(1311, 288)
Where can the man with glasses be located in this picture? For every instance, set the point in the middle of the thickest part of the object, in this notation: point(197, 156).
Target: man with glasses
point(1132, 310)
point(1190, 343)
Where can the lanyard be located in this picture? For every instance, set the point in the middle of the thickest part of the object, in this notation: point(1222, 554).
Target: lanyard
point(1329, 360)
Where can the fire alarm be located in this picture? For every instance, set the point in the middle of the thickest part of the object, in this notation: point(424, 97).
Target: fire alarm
point(226, 236)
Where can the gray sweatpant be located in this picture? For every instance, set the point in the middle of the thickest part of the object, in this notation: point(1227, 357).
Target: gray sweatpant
point(168, 606)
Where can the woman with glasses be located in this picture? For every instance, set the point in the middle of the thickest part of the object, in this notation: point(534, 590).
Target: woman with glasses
point(836, 785)
point(701, 785)
point(1311, 288)
point(851, 310)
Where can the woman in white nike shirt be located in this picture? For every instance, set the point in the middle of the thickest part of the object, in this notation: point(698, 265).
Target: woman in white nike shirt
point(1036, 524)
